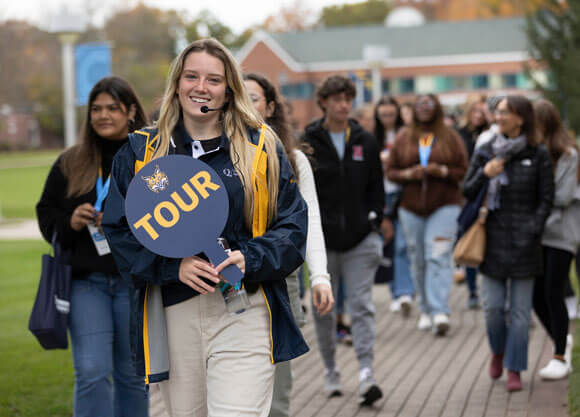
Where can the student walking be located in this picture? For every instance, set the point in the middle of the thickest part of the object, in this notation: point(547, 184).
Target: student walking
point(268, 103)
point(473, 125)
point(71, 205)
point(349, 181)
point(520, 181)
point(560, 239)
point(213, 353)
point(388, 122)
point(429, 160)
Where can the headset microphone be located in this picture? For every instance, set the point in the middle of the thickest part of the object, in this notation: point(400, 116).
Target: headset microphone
point(205, 109)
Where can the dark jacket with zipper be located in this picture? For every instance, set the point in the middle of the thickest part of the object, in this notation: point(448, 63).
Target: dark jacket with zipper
point(54, 211)
point(348, 189)
point(513, 232)
point(268, 258)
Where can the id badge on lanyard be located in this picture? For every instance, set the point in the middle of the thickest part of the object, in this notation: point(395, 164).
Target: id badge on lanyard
point(425, 146)
point(97, 235)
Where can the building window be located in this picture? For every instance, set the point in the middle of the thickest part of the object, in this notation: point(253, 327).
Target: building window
point(523, 81)
point(510, 80)
point(386, 86)
point(461, 83)
point(443, 84)
point(298, 91)
point(480, 81)
point(406, 85)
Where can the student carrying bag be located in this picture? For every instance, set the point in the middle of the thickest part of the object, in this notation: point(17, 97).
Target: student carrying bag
point(470, 248)
point(49, 317)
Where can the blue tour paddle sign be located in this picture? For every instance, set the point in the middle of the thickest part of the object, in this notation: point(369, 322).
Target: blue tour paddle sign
point(177, 206)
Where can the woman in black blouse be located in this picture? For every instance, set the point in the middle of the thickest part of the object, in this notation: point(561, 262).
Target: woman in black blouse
point(71, 206)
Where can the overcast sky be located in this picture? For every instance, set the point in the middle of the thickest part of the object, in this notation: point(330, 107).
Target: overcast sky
point(237, 14)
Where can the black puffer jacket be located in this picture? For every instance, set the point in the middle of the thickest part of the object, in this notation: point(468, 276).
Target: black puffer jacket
point(513, 248)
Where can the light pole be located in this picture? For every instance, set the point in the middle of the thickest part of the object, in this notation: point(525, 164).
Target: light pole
point(68, 28)
point(375, 56)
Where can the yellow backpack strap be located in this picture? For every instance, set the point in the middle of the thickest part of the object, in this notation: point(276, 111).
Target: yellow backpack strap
point(260, 187)
point(149, 149)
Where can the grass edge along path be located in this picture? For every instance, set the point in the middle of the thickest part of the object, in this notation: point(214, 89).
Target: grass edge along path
point(35, 382)
point(574, 382)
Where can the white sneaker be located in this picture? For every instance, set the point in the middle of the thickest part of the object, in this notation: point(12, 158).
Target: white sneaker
point(568, 352)
point(395, 306)
point(405, 303)
point(572, 307)
point(441, 324)
point(556, 369)
point(332, 385)
point(425, 322)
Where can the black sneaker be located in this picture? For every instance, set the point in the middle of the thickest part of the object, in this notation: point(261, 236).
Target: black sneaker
point(369, 392)
point(343, 334)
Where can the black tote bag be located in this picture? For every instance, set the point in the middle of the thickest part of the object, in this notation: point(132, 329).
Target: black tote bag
point(49, 317)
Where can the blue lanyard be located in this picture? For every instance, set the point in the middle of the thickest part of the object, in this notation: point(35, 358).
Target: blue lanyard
point(425, 145)
point(102, 191)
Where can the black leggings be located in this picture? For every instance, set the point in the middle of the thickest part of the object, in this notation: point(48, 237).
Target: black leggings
point(549, 290)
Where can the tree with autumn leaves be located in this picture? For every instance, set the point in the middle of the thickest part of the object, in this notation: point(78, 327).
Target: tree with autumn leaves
point(554, 41)
point(144, 41)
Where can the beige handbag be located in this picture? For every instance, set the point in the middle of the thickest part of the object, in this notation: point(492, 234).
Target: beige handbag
point(470, 248)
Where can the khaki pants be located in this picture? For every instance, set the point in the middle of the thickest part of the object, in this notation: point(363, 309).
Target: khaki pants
point(220, 365)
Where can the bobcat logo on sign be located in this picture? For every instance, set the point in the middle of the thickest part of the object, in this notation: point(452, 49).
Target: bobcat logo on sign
point(158, 181)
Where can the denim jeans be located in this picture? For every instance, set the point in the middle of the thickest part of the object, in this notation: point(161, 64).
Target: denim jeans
point(402, 283)
point(510, 340)
point(471, 280)
point(106, 383)
point(430, 246)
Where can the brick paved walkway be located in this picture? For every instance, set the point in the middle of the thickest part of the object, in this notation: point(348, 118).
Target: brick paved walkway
point(429, 377)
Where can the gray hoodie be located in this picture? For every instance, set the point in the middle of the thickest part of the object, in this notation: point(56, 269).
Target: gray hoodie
point(562, 229)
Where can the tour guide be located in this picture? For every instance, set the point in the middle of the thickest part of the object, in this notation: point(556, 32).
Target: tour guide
point(218, 363)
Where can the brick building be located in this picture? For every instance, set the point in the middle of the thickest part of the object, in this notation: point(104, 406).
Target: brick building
point(451, 59)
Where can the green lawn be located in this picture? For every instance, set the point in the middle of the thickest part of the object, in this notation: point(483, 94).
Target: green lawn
point(574, 384)
point(22, 176)
point(34, 382)
point(9, 159)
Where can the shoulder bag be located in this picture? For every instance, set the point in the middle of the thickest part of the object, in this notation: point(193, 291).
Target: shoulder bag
point(49, 318)
point(470, 248)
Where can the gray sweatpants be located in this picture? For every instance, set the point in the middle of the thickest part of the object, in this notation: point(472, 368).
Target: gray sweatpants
point(357, 266)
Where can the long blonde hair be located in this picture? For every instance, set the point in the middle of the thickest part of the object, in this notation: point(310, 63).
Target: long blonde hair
point(236, 119)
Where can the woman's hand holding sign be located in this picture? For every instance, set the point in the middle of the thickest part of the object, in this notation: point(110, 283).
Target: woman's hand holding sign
point(234, 258)
point(193, 269)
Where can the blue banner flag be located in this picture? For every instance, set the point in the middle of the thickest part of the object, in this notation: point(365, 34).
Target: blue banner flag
point(177, 206)
point(92, 62)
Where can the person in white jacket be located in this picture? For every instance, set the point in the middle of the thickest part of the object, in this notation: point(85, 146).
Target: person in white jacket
point(267, 102)
point(560, 240)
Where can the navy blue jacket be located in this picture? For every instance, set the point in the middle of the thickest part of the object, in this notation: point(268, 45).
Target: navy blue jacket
point(268, 258)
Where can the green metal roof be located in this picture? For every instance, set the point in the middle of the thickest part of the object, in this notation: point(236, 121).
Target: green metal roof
point(429, 39)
